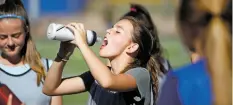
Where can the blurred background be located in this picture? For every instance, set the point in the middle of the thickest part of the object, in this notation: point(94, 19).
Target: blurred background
point(99, 15)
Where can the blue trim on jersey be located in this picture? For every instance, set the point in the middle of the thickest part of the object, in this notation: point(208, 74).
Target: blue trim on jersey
point(23, 69)
point(15, 75)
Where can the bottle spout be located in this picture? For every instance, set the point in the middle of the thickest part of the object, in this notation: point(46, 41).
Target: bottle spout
point(99, 39)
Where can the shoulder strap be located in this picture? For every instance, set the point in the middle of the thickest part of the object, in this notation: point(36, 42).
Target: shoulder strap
point(47, 64)
point(47, 67)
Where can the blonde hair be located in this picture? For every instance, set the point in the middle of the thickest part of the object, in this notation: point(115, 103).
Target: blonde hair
point(209, 22)
point(217, 50)
point(33, 58)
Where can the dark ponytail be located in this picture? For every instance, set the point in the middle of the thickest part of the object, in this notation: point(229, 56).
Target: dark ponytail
point(153, 67)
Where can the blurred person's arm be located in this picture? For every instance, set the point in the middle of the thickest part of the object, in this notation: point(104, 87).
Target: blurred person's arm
point(56, 100)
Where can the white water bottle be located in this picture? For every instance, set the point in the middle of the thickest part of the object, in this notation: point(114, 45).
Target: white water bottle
point(61, 33)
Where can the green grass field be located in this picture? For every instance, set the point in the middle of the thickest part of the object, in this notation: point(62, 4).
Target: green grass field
point(174, 51)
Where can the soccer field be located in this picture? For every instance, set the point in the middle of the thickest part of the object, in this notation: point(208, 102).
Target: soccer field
point(174, 51)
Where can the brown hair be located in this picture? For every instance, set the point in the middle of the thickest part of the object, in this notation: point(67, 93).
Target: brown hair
point(28, 52)
point(146, 54)
point(208, 24)
point(140, 13)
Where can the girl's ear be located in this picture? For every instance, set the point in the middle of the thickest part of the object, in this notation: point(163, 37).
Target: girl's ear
point(133, 47)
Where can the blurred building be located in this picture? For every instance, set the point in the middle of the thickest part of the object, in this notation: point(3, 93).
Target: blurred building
point(39, 8)
point(96, 14)
point(145, 2)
